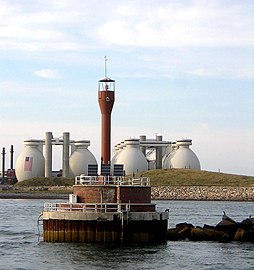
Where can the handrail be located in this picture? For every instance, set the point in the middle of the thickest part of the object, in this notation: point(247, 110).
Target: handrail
point(111, 180)
point(86, 207)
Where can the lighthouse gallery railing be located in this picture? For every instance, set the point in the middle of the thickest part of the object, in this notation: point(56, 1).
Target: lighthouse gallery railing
point(113, 180)
point(87, 207)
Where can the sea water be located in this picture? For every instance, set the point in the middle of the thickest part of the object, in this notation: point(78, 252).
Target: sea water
point(21, 245)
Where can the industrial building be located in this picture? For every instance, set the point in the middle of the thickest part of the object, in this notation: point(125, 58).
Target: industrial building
point(143, 154)
point(130, 156)
point(136, 155)
point(32, 163)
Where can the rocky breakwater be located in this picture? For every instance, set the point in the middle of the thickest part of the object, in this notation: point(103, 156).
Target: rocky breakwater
point(212, 193)
point(226, 230)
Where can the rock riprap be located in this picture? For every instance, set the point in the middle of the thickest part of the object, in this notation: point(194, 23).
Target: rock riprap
point(212, 193)
point(225, 231)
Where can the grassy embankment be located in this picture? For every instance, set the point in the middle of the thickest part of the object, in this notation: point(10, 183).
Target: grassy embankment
point(41, 186)
point(172, 177)
point(40, 182)
point(186, 177)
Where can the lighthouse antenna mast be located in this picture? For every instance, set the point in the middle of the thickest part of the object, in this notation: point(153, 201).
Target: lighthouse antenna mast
point(105, 67)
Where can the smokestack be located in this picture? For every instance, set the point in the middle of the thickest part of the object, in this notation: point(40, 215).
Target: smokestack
point(106, 98)
point(11, 157)
point(3, 165)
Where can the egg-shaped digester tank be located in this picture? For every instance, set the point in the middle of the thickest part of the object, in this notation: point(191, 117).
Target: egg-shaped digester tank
point(81, 158)
point(117, 150)
point(183, 157)
point(171, 152)
point(30, 163)
point(132, 158)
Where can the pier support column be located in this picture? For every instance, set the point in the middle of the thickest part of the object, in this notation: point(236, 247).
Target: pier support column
point(158, 153)
point(142, 138)
point(66, 153)
point(48, 154)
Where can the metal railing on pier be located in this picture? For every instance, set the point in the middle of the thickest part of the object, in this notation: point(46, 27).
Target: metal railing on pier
point(111, 180)
point(87, 207)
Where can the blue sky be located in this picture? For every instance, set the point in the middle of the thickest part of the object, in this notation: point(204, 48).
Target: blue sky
point(183, 69)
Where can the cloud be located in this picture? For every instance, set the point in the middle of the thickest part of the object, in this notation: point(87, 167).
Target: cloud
point(223, 72)
point(41, 26)
point(79, 25)
point(179, 24)
point(201, 72)
point(47, 74)
point(7, 105)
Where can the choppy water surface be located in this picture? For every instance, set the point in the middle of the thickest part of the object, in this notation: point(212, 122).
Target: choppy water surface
point(20, 248)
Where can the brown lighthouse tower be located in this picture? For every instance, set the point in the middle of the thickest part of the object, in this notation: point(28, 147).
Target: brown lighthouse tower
point(106, 98)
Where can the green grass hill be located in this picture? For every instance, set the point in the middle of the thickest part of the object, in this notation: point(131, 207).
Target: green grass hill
point(163, 177)
point(186, 177)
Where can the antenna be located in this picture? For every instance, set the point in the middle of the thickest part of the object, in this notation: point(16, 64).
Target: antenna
point(105, 67)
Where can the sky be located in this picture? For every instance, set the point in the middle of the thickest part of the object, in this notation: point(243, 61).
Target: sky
point(183, 69)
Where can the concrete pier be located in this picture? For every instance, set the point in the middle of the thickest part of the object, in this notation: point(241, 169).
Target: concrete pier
point(142, 138)
point(66, 153)
point(106, 209)
point(158, 153)
point(48, 154)
point(104, 227)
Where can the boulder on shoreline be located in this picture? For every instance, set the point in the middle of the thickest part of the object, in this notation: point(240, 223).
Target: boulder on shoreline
point(225, 231)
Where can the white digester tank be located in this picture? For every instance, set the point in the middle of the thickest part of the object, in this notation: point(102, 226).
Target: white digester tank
point(183, 157)
point(132, 158)
point(171, 152)
point(81, 158)
point(30, 163)
point(117, 150)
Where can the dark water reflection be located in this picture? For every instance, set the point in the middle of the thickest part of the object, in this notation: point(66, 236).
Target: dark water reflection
point(19, 248)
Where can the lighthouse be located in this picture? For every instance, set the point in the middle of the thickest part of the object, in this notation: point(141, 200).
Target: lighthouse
point(106, 98)
point(106, 207)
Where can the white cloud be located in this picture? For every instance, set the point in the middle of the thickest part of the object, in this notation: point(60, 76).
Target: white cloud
point(225, 72)
point(47, 74)
point(244, 73)
point(8, 104)
point(42, 26)
point(201, 72)
point(77, 25)
point(171, 25)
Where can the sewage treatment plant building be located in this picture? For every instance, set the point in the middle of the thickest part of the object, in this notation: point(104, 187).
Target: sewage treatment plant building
point(106, 205)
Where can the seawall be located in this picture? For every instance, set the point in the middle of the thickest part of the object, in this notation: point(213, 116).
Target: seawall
point(205, 193)
point(201, 193)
